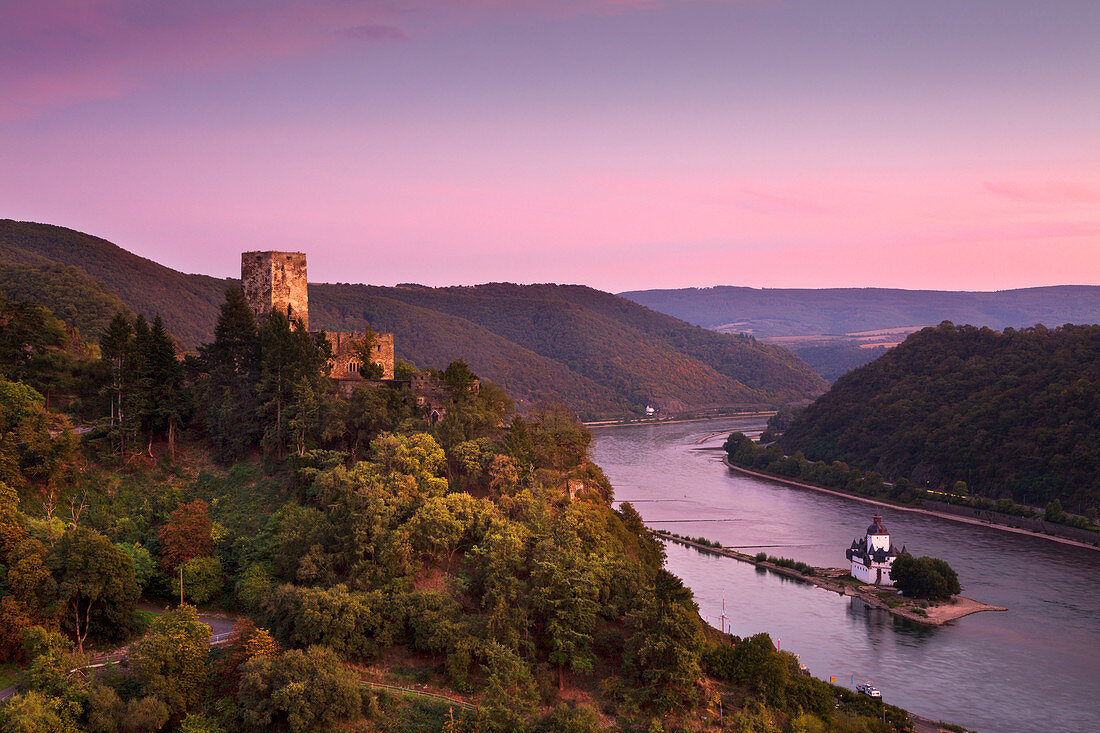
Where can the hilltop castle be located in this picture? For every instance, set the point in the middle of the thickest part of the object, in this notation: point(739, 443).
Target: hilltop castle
point(277, 280)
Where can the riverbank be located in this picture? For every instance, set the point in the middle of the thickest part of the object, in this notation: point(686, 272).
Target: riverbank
point(903, 508)
point(626, 423)
point(836, 580)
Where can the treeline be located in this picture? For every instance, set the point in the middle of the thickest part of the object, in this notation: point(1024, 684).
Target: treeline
point(1013, 415)
point(747, 453)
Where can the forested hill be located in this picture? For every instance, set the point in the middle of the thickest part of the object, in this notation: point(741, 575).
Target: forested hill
point(188, 303)
point(601, 354)
point(792, 312)
point(1013, 414)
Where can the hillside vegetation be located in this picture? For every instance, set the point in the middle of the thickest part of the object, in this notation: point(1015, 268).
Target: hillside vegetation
point(1013, 414)
point(600, 354)
point(479, 556)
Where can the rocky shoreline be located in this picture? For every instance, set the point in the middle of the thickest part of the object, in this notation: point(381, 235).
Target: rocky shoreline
point(837, 581)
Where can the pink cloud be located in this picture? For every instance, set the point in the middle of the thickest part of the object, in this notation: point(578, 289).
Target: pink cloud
point(55, 53)
point(1045, 193)
point(58, 53)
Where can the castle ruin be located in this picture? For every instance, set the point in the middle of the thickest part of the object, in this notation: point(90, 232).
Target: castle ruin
point(277, 280)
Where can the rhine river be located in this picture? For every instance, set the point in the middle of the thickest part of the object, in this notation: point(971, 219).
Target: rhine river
point(1035, 667)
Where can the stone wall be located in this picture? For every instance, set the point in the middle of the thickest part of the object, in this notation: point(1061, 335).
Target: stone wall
point(276, 280)
point(346, 360)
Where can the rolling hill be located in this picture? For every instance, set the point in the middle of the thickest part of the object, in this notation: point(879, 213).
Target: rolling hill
point(1013, 414)
point(768, 313)
point(835, 330)
point(599, 353)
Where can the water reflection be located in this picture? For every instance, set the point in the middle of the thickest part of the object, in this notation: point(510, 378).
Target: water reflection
point(1033, 668)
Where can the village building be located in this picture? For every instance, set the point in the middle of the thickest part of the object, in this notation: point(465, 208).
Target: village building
point(873, 556)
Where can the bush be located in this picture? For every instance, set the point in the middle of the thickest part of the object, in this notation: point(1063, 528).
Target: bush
point(926, 577)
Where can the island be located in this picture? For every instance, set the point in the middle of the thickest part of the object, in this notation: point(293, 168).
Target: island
point(873, 556)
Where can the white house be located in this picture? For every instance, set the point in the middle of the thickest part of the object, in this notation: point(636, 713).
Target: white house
point(873, 555)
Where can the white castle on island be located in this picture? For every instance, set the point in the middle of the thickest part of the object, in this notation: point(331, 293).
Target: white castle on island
point(873, 555)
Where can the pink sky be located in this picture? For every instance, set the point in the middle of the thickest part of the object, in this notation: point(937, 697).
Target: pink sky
point(618, 144)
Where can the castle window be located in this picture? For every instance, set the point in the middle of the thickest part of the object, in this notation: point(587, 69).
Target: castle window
point(354, 367)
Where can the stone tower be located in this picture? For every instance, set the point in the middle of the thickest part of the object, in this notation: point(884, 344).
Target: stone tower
point(276, 280)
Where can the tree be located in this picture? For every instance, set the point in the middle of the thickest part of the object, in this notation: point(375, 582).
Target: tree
point(95, 584)
point(364, 349)
point(185, 535)
point(925, 577)
point(662, 654)
point(227, 393)
point(116, 345)
point(510, 693)
point(171, 658)
point(31, 346)
point(293, 365)
point(160, 383)
point(248, 642)
point(203, 578)
point(35, 712)
point(301, 691)
point(144, 565)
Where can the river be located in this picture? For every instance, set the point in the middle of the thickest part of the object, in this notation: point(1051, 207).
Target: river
point(1035, 667)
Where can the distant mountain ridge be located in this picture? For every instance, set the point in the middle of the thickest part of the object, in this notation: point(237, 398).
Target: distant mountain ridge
point(799, 312)
point(597, 352)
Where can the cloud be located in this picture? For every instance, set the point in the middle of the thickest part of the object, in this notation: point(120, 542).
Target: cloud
point(56, 53)
point(1045, 193)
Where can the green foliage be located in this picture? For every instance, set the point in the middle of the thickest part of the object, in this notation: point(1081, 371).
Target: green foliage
point(171, 658)
point(95, 585)
point(228, 375)
point(195, 723)
point(300, 691)
point(144, 564)
point(1012, 414)
point(924, 577)
point(254, 585)
point(351, 624)
point(662, 653)
point(569, 719)
point(35, 712)
point(202, 578)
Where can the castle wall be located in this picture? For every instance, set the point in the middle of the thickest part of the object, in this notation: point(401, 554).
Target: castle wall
point(346, 360)
point(276, 280)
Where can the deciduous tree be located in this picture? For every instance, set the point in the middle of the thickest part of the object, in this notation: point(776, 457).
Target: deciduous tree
point(95, 584)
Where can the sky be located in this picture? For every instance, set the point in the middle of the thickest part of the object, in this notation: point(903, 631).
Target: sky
point(622, 144)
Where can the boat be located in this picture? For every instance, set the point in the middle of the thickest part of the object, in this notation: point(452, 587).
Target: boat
point(866, 688)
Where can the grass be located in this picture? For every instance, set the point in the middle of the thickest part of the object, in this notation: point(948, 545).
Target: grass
point(9, 674)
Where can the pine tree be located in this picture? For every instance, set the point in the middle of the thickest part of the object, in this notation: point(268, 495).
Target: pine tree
point(115, 345)
point(293, 367)
point(160, 386)
point(227, 400)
